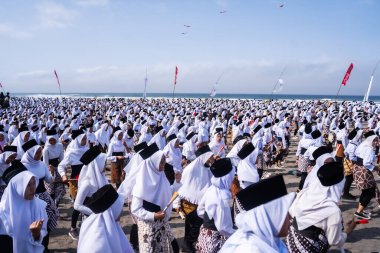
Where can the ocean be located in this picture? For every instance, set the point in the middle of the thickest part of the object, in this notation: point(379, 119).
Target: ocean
point(203, 95)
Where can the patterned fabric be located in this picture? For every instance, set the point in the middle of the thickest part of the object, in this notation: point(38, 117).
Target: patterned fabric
point(116, 171)
point(260, 162)
point(51, 210)
point(56, 190)
point(303, 164)
point(363, 178)
point(348, 167)
point(188, 207)
point(297, 243)
point(209, 241)
point(73, 188)
point(154, 236)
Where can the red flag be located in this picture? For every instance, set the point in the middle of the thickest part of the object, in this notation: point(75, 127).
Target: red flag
point(175, 75)
point(347, 75)
point(56, 76)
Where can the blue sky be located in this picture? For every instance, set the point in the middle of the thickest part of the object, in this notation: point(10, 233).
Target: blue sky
point(106, 45)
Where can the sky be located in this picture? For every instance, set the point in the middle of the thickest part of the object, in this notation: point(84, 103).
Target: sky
point(107, 45)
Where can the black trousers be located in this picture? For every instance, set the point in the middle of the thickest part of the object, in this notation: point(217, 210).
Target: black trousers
point(134, 236)
point(366, 196)
point(74, 218)
point(302, 181)
point(348, 183)
point(45, 242)
point(260, 172)
point(193, 224)
point(6, 244)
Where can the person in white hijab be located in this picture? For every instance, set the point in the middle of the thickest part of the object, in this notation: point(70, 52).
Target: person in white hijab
point(23, 216)
point(264, 218)
point(20, 140)
point(317, 220)
point(91, 179)
point(196, 178)
point(103, 135)
point(52, 154)
point(189, 147)
point(246, 170)
point(214, 208)
point(72, 156)
point(173, 153)
point(32, 161)
point(9, 155)
point(217, 144)
point(151, 195)
point(159, 138)
point(117, 155)
point(101, 232)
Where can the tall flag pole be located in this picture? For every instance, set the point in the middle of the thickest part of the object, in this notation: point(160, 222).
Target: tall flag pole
point(146, 81)
point(213, 91)
point(59, 84)
point(279, 81)
point(175, 79)
point(1, 86)
point(366, 96)
point(345, 79)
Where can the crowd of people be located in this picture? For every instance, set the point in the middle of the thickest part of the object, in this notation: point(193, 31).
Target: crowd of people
point(209, 160)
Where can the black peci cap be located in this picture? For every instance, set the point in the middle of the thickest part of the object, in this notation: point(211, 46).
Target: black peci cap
point(352, 134)
point(169, 173)
point(76, 133)
point(102, 199)
point(140, 146)
point(29, 144)
point(51, 132)
point(316, 134)
point(149, 151)
point(221, 167)
point(321, 151)
point(190, 135)
point(369, 133)
point(330, 173)
point(202, 150)
point(90, 155)
point(171, 137)
point(10, 149)
point(12, 171)
point(246, 150)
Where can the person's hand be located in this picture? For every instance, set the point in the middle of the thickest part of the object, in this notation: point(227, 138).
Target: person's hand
point(120, 157)
point(159, 215)
point(350, 226)
point(64, 179)
point(35, 229)
point(51, 169)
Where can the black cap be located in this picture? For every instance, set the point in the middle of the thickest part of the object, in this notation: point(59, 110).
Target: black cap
point(23, 128)
point(218, 129)
point(89, 125)
point(102, 199)
point(90, 155)
point(204, 149)
point(76, 133)
point(140, 146)
point(316, 134)
point(34, 128)
point(267, 125)
point(341, 125)
point(262, 192)
point(257, 128)
point(149, 151)
point(352, 134)
point(221, 167)
point(190, 135)
point(180, 126)
point(308, 128)
point(116, 129)
point(321, 151)
point(171, 137)
point(169, 173)
point(330, 173)
point(159, 128)
point(15, 168)
point(130, 133)
point(246, 150)
point(10, 149)
point(29, 144)
point(369, 133)
point(51, 132)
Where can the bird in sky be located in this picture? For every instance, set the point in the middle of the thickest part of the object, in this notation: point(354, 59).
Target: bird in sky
point(188, 26)
point(222, 12)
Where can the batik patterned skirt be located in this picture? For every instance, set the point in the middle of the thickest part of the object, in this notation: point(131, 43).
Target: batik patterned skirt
point(51, 210)
point(56, 189)
point(260, 161)
point(209, 241)
point(154, 236)
point(298, 243)
point(303, 163)
point(363, 178)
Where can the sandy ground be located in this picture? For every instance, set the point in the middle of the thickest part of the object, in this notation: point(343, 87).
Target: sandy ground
point(365, 238)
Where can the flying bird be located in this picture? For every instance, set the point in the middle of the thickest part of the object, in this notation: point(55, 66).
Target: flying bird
point(221, 12)
point(188, 26)
point(282, 5)
point(184, 33)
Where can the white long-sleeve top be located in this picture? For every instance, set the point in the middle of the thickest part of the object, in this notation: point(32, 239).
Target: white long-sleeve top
point(85, 190)
point(368, 155)
point(138, 210)
point(349, 152)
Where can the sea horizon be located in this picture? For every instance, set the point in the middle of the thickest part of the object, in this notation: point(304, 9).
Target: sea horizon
point(200, 95)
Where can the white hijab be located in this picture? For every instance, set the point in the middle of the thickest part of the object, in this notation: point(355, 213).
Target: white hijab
point(37, 167)
point(235, 150)
point(102, 233)
point(312, 176)
point(75, 150)
point(259, 228)
point(173, 155)
point(247, 170)
point(17, 214)
point(196, 178)
point(19, 141)
point(53, 151)
point(159, 140)
point(93, 172)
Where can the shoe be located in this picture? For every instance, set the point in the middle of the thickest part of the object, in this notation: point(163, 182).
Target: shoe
point(362, 216)
point(367, 213)
point(349, 196)
point(74, 234)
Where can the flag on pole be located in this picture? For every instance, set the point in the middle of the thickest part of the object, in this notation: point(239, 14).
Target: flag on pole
point(1, 86)
point(175, 75)
point(347, 75)
point(56, 76)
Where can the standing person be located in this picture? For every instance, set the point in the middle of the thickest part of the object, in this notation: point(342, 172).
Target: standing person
point(101, 231)
point(32, 161)
point(363, 173)
point(196, 178)
point(72, 156)
point(52, 154)
point(264, 219)
point(23, 216)
point(217, 145)
point(173, 153)
point(116, 154)
point(8, 156)
point(189, 147)
point(151, 194)
point(20, 140)
point(317, 220)
point(215, 210)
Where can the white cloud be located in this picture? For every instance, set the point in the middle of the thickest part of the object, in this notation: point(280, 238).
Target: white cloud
point(34, 74)
point(91, 2)
point(10, 31)
point(96, 69)
point(53, 15)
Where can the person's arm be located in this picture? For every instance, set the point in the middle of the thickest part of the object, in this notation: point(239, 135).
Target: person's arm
point(48, 176)
point(66, 161)
point(138, 210)
point(45, 156)
point(223, 220)
point(334, 230)
point(83, 192)
point(110, 157)
point(368, 161)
